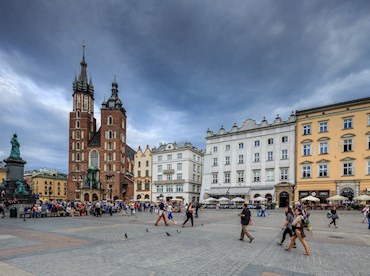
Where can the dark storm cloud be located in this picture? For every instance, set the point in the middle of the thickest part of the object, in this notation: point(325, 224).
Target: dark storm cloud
point(182, 66)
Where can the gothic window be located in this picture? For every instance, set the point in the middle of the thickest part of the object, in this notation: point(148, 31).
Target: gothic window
point(94, 158)
point(77, 124)
point(110, 134)
point(77, 146)
point(85, 103)
point(77, 157)
point(110, 120)
point(109, 145)
point(78, 114)
point(109, 167)
point(78, 101)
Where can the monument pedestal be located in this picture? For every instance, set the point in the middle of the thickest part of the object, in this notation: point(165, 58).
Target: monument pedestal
point(15, 168)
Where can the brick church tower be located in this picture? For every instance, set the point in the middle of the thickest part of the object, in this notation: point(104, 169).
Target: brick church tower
point(98, 163)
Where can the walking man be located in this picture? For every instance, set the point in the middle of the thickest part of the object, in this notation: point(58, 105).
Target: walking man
point(245, 216)
point(161, 213)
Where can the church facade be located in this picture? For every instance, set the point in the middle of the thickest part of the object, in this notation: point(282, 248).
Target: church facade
point(100, 165)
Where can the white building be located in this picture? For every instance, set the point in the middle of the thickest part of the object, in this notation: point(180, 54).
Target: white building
point(177, 172)
point(250, 161)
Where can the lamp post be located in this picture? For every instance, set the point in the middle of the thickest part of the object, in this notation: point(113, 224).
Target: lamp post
point(50, 192)
point(110, 192)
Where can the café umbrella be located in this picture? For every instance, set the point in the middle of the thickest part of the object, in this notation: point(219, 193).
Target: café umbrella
point(310, 198)
point(362, 197)
point(337, 198)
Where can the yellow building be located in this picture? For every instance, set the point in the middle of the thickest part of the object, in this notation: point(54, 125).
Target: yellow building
point(143, 175)
point(44, 183)
point(333, 150)
point(2, 172)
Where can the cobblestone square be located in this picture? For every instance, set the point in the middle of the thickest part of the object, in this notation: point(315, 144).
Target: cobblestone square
point(98, 246)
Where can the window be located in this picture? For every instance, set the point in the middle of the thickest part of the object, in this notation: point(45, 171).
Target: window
point(284, 174)
point(77, 124)
point(241, 159)
point(227, 160)
point(215, 178)
point(194, 168)
point(347, 168)
point(323, 127)
point(160, 189)
point(139, 186)
point(198, 169)
point(307, 150)
point(193, 156)
point(179, 156)
point(169, 157)
point(139, 173)
point(269, 175)
point(227, 147)
point(270, 141)
point(284, 139)
point(179, 176)
point(169, 166)
point(109, 145)
point(347, 145)
point(94, 158)
point(139, 164)
point(193, 177)
point(257, 157)
point(323, 170)
point(270, 156)
point(257, 143)
point(169, 176)
point(146, 185)
point(159, 168)
point(179, 166)
point(227, 177)
point(257, 176)
point(347, 123)
point(169, 188)
point(215, 161)
point(306, 171)
point(240, 176)
point(179, 188)
point(146, 172)
point(368, 120)
point(160, 158)
point(368, 167)
point(214, 149)
point(306, 129)
point(284, 154)
point(241, 146)
point(110, 120)
point(324, 148)
point(147, 163)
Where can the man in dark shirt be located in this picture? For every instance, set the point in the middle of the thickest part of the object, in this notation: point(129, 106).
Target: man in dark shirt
point(245, 219)
point(161, 213)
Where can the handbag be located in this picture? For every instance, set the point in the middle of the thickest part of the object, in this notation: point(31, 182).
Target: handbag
point(329, 215)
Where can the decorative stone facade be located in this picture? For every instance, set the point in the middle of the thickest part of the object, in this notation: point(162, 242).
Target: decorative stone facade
point(143, 175)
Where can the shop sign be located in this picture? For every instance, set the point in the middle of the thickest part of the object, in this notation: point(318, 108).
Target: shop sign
point(313, 193)
point(323, 193)
point(303, 194)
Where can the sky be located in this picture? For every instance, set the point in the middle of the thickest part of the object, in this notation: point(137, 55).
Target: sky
point(182, 66)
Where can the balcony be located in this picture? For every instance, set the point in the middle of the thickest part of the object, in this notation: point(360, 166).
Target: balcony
point(171, 171)
point(176, 181)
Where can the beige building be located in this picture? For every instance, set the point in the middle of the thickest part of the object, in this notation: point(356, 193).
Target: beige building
point(50, 186)
point(2, 172)
point(333, 150)
point(143, 175)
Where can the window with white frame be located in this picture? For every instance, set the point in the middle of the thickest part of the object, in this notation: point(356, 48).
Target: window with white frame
point(227, 160)
point(284, 154)
point(257, 157)
point(159, 168)
point(240, 176)
point(324, 148)
point(306, 129)
point(194, 168)
point(159, 189)
point(179, 188)
point(227, 177)
point(169, 166)
point(269, 175)
point(241, 159)
point(256, 175)
point(257, 143)
point(169, 157)
point(306, 150)
point(284, 174)
point(347, 123)
point(169, 176)
point(270, 141)
point(347, 145)
point(270, 156)
point(306, 171)
point(179, 166)
point(179, 155)
point(215, 178)
point(323, 170)
point(284, 139)
point(169, 188)
point(347, 168)
point(227, 147)
point(160, 177)
point(215, 161)
point(323, 127)
point(241, 146)
point(368, 167)
point(160, 158)
point(214, 149)
point(179, 176)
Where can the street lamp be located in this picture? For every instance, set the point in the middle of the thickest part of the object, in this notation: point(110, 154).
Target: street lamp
point(50, 192)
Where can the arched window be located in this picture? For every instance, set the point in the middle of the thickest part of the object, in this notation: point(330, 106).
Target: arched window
point(77, 146)
point(109, 168)
point(77, 168)
point(77, 124)
point(78, 134)
point(110, 145)
point(78, 114)
point(110, 134)
point(77, 157)
point(94, 158)
point(110, 120)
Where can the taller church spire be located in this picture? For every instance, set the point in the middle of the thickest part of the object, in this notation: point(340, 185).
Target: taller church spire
point(83, 74)
point(81, 84)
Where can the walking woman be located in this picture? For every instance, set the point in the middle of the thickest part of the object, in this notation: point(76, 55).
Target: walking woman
point(297, 226)
point(334, 216)
point(169, 210)
point(189, 215)
point(287, 227)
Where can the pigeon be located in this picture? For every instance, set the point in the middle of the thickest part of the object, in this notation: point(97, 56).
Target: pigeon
point(147, 230)
point(126, 236)
point(202, 224)
point(178, 231)
point(168, 234)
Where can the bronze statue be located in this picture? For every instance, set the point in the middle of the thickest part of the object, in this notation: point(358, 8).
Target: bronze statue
point(15, 152)
point(20, 189)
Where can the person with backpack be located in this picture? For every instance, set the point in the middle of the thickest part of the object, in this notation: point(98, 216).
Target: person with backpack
point(189, 215)
point(245, 217)
point(287, 227)
point(297, 226)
